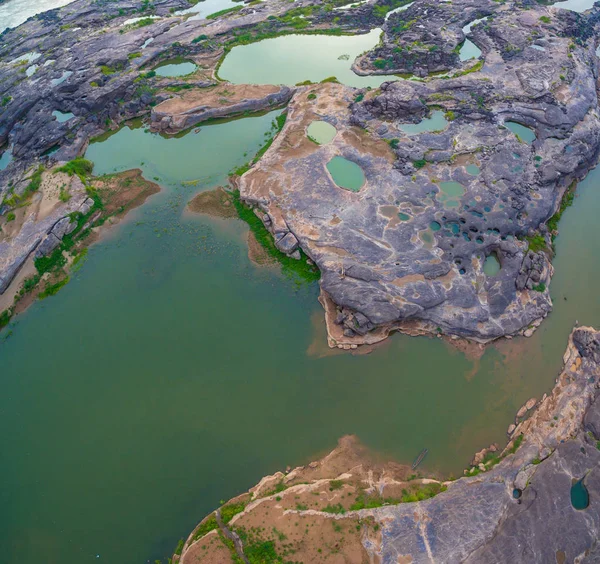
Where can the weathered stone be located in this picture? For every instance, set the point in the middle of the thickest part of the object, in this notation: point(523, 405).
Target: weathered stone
point(287, 244)
point(47, 246)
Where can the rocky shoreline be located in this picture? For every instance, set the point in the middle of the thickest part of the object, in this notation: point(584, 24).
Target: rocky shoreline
point(47, 239)
point(515, 506)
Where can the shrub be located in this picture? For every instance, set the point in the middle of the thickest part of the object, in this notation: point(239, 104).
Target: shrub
point(223, 12)
point(78, 166)
point(337, 509)
point(53, 289)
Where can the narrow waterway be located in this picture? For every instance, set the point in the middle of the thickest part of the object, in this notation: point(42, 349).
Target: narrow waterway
point(171, 373)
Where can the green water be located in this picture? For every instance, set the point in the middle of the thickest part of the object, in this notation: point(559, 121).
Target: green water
point(295, 58)
point(467, 28)
point(436, 122)
point(526, 134)
point(205, 8)
point(346, 174)
point(450, 193)
point(580, 498)
point(491, 265)
point(403, 216)
point(61, 78)
point(321, 131)
point(175, 67)
point(473, 170)
point(171, 373)
point(5, 157)
point(468, 51)
point(62, 117)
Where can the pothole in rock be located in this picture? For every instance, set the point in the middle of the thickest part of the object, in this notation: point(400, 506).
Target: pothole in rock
point(522, 132)
point(491, 265)
point(175, 67)
point(436, 122)
point(580, 497)
point(346, 174)
point(321, 132)
point(61, 117)
point(5, 158)
point(468, 51)
point(450, 193)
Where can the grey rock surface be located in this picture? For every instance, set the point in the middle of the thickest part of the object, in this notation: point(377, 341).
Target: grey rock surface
point(410, 246)
point(41, 231)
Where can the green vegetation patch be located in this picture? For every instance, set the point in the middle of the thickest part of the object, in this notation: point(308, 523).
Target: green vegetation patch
point(34, 185)
point(337, 508)
point(298, 270)
point(567, 201)
point(537, 243)
point(208, 525)
point(80, 166)
point(53, 289)
point(223, 12)
point(228, 512)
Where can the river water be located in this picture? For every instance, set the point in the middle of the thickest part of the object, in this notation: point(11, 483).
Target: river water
point(15, 12)
point(171, 373)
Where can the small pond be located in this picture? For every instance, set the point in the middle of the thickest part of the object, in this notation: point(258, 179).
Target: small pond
point(525, 134)
point(321, 132)
point(131, 21)
point(575, 5)
point(469, 50)
point(61, 79)
point(31, 70)
point(5, 158)
point(473, 170)
point(450, 193)
point(200, 10)
point(580, 498)
point(491, 266)
point(436, 122)
point(346, 174)
point(61, 117)
point(296, 58)
point(175, 67)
